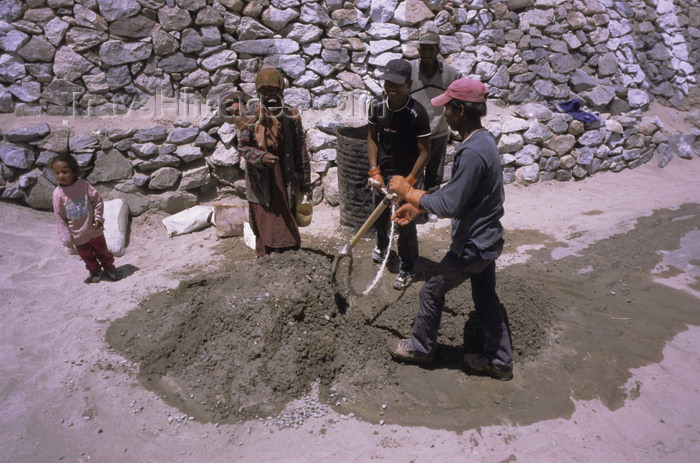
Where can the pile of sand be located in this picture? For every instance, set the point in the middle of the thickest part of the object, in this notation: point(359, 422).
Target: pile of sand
point(244, 341)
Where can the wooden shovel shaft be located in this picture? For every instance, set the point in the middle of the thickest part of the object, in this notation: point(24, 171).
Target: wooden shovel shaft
point(388, 199)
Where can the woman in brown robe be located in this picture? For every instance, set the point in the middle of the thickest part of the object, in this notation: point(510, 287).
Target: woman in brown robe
point(272, 141)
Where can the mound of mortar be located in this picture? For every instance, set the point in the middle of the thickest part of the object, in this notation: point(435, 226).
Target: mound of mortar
point(244, 341)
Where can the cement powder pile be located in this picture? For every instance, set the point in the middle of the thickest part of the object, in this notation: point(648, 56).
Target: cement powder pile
point(245, 341)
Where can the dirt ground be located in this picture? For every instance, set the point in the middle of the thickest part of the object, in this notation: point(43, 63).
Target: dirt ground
point(203, 353)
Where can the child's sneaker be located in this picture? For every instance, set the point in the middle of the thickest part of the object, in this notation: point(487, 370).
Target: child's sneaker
point(94, 277)
point(111, 274)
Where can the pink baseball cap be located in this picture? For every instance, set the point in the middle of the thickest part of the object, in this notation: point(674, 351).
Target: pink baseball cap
point(464, 89)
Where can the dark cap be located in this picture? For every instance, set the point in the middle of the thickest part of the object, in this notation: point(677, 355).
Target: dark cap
point(429, 38)
point(397, 71)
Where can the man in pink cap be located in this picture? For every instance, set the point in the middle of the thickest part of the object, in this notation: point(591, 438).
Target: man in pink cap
point(473, 198)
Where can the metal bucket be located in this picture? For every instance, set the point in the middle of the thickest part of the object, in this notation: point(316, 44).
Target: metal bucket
point(353, 165)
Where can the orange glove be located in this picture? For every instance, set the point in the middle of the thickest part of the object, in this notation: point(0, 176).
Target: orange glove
point(405, 191)
point(405, 214)
point(376, 174)
point(411, 180)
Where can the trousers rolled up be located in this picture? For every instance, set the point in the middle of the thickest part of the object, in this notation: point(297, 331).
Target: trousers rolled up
point(407, 243)
point(453, 271)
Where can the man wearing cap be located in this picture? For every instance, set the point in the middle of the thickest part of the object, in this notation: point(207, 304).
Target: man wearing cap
point(473, 198)
point(398, 143)
point(431, 77)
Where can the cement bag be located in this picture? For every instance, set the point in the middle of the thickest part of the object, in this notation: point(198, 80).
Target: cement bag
point(116, 216)
point(229, 219)
point(188, 220)
point(248, 235)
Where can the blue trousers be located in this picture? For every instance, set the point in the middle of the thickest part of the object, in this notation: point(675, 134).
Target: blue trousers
point(480, 268)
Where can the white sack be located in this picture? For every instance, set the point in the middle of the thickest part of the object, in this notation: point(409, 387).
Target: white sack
point(188, 220)
point(116, 214)
point(248, 235)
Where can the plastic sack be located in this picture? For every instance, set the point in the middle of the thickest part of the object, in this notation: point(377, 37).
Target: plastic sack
point(116, 215)
point(188, 220)
point(248, 235)
point(303, 210)
point(229, 219)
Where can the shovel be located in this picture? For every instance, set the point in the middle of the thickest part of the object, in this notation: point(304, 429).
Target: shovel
point(346, 251)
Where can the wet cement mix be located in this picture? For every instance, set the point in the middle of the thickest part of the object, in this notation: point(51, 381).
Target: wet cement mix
point(243, 342)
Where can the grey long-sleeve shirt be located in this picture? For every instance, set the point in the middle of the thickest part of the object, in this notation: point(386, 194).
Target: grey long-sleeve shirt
point(474, 196)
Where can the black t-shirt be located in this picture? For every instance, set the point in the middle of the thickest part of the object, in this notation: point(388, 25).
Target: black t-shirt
point(397, 133)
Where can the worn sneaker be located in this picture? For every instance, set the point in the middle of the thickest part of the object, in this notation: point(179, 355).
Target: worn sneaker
point(398, 348)
point(111, 274)
point(377, 255)
point(432, 218)
point(479, 364)
point(403, 280)
point(94, 277)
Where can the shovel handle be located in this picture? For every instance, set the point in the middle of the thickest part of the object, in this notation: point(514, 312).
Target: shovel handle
point(388, 199)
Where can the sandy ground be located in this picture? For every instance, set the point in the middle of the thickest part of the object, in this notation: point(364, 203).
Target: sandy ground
point(66, 395)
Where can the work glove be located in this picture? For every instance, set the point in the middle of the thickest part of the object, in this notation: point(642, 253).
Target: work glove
point(405, 214)
point(376, 175)
point(405, 191)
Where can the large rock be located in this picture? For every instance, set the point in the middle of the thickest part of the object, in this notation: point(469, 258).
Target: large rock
point(28, 134)
point(381, 11)
point(188, 153)
point(134, 28)
point(69, 65)
point(83, 38)
point(527, 174)
point(56, 141)
point(37, 49)
point(330, 187)
point(292, 65)
point(177, 62)
point(19, 156)
point(155, 133)
point(85, 17)
point(411, 12)
point(174, 19)
point(266, 46)
point(112, 10)
point(115, 52)
point(63, 93)
point(164, 178)
point(302, 33)
point(40, 196)
point(27, 92)
point(13, 41)
point(560, 144)
point(276, 18)
point(11, 10)
point(110, 167)
point(195, 178)
point(224, 58)
point(182, 135)
point(55, 30)
point(315, 13)
point(11, 68)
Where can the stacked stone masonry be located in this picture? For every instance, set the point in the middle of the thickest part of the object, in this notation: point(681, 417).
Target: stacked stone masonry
point(97, 58)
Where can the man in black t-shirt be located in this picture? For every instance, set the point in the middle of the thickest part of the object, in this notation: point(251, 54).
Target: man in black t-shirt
point(398, 143)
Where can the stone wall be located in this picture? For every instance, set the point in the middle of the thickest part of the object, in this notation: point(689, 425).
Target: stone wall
point(109, 57)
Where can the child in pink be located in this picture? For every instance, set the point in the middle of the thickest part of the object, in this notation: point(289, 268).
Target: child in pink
point(78, 208)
